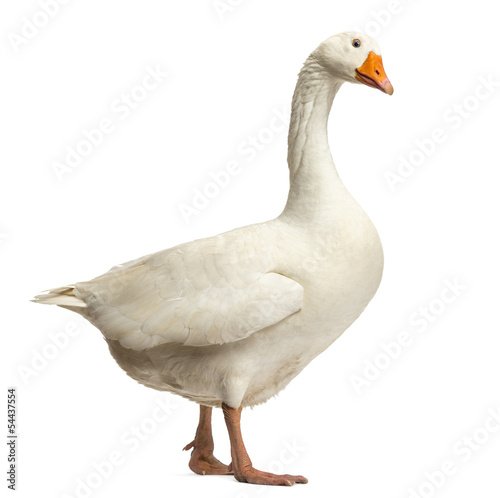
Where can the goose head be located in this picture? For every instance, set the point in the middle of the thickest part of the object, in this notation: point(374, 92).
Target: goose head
point(355, 58)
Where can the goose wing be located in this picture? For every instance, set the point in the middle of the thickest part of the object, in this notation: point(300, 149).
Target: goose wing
point(209, 291)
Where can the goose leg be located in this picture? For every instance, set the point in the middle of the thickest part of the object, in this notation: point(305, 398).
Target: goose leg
point(202, 457)
point(241, 463)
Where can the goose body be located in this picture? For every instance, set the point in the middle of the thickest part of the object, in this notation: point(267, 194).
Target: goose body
point(320, 297)
point(230, 320)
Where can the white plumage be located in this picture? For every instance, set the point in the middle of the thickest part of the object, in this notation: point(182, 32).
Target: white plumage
point(233, 318)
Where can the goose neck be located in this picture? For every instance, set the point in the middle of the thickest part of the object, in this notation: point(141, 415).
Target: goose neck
point(313, 177)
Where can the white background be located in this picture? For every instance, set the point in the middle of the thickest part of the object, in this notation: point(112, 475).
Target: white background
point(229, 72)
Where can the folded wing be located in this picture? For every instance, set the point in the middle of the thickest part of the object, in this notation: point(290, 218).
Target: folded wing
point(187, 295)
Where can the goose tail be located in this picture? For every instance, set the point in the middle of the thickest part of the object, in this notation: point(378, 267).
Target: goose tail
point(61, 296)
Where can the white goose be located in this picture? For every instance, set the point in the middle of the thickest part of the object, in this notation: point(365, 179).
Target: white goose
point(230, 320)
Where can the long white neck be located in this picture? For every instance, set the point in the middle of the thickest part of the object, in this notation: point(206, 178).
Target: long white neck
point(314, 181)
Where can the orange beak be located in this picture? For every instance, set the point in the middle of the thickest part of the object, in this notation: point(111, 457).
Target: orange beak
point(372, 73)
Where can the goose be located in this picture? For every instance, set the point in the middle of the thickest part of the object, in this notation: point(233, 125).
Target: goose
point(228, 321)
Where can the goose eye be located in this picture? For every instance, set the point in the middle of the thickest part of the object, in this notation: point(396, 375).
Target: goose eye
point(356, 43)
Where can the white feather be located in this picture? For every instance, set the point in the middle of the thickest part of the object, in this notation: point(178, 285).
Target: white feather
point(234, 318)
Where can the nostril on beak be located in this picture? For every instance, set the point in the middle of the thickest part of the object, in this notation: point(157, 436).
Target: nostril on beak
point(377, 72)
